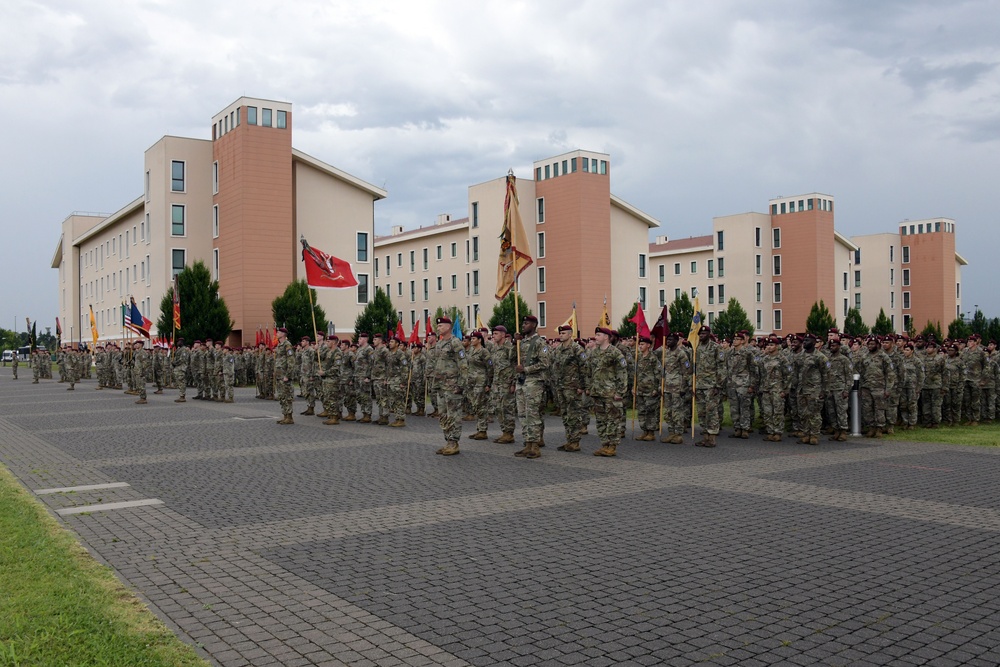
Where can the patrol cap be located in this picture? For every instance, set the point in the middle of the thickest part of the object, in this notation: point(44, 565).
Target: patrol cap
point(604, 330)
point(443, 320)
point(501, 328)
point(530, 318)
point(565, 327)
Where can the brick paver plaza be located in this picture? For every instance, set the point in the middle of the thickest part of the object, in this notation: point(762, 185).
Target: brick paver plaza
point(355, 544)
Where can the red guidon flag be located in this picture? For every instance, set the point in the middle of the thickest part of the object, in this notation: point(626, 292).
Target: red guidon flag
point(325, 271)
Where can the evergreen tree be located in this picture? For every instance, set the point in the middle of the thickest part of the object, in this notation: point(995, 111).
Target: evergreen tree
point(379, 316)
point(503, 313)
point(883, 325)
point(204, 313)
point(979, 324)
point(932, 329)
point(854, 325)
point(627, 329)
point(993, 331)
point(681, 313)
point(731, 320)
point(820, 321)
point(291, 310)
point(958, 328)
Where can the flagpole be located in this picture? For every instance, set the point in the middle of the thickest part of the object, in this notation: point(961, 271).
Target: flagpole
point(694, 386)
point(313, 313)
point(409, 377)
point(635, 378)
point(663, 368)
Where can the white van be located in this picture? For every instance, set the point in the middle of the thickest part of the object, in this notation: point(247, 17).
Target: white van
point(8, 356)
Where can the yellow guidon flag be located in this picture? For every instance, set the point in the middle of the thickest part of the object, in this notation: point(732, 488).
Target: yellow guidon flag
point(93, 326)
point(515, 255)
point(571, 322)
point(605, 318)
point(695, 324)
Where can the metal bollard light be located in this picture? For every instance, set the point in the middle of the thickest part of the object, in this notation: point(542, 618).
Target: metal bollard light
point(855, 407)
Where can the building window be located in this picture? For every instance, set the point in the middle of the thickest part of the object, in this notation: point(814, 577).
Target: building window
point(777, 265)
point(376, 268)
point(438, 253)
point(541, 313)
point(425, 256)
point(711, 318)
point(677, 268)
point(958, 290)
point(677, 293)
point(642, 265)
point(362, 287)
point(642, 298)
point(711, 268)
point(281, 120)
point(857, 301)
point(215, 264)
point(722, 295)
point(760, 318)
point(413, 290)
point(756, 236)
point(215, 178)
point(857, 256)
point(777, 320)
point(777, 237)
point(177, 220)
point(413, 261)
point(251, 115)
point(759, 291)
point(440, 284)
point(845, 281)
point(399, 288)
point(720, 241)
point(892, 253)
point(176, 176)
point(757, 265)
point(604, 167)
point(892, 277)
point(906, 300)
point(663, 298)
point(475, 214)
point(541, 209)
point(892, 299)
point(475, 283)
point(845, 307)
point(147, 186)
point(711, 295)
point(541, 279)
point(454, 281)
point(362, 246)
point(548, 171)
point(468, 252)
point(265, 117)
point(906, 277)
point(906, 254)
point(454, 249)
point(215, 221)
point(694, 267)
point(857, 278)
point(388, 266)
point(176, 262)
point(777, 292)
point(663, 271)
point(468, 284)
point(475, 248)
point(722, 267)
point(541, 244)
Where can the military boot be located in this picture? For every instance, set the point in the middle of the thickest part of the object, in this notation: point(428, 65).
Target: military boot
point(479, 435)
point(677, 439)
point(523, 452)
point(419, 413)
point(744, 435)
point(141, 401)
point(158, 391)
point(180, 400)
point(397, 422)
point(709, 441)
point(450, 449)
point(668, 438)
point(534, 452)
point(287, 419)
point(877, 434)
point(804, 440)
point(505, 439)
point(332, 421)
point(323, 414)
point(603, 451)
point(436, 414)
point(383, 420)
point(842, 436)
point(365, 419)
point(468, 418)
point(569, 447)
point(308, 411)
point(350, 417)
point(813, 440)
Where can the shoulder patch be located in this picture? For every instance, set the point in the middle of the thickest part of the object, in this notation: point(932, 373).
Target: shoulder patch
point(624, 363)
point(545, 348)
point(461, 354)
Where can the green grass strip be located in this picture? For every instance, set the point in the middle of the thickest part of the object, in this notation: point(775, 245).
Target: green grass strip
point(983, 435)
point(59, 607)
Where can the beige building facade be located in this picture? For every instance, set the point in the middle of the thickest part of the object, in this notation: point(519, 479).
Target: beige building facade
point(239, 202)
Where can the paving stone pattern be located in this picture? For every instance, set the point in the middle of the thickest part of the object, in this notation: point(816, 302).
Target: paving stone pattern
point(356, 545)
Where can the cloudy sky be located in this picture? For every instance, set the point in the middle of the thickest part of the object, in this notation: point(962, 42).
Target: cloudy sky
point(707, 108)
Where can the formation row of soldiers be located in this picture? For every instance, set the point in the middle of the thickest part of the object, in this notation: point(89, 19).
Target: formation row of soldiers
point(798, 384)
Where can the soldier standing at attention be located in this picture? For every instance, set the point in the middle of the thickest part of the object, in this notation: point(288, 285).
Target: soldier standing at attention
point(308, 372)
point(774, 378)
point(502, 392)
point(648, 374)
point(449, 369)
point(478, 383)
point(913, 380)
point(812, 370)
point(430, 345)
point(607, 384)
point(179, 364)
point(740, 367)
point(346, 386)
point(198, 369)
point(330, 364)
point(841, 380)
point(877, 377)
point(532, 371)
point(140, 363)
point(228, 362)
point(709, 372)
point(397, 376)
point(568, 380)
point(380, 377)
point(932, 393)
point(676, 382)
point(285, 362)
point(418, 382)
point(363, 360)
point(976, 365)
point(14, 363)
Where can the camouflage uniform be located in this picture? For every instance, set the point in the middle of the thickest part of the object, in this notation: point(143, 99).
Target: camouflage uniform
point(380, 374)
point(363, 360)
point(429, 353)
point(418, 382)
point(478, 381)
point(285, 363)
point(179, 362)
point(607, 383)
point(397, 377)
point(648, 377)
point(877, 377)
point(14, 363)
point(932, 393)
point(840, 379)
point(331, 365)
point(140, 364)
point(198, 371)
point(677, 371)
point(568, 370)
point(954, 382)
point(892, 402)
point(989, 384)
point(228, 363)
point(975, 362)
point(709, 373)
point(913, 380)
point(740, 371)
point(347, 387)
point(812, 383)
point(774, 378)
point(448, 371)
point(531, 388)
point(503, 393)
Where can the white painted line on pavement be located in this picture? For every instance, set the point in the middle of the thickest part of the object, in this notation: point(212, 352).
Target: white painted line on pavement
point(109, 506)
point(87, 487)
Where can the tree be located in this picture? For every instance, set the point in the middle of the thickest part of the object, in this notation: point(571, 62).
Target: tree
point(993, 332)
point(204, 313)
point(979, 324)
point(854, 325)
point(9, 340)
point(958, 328)
point(731, 320)
point(820, 321)
point(627, 329)
point(379, 316)
point(681, 313)
point(291, 310)
point(883, 325)
point(934, 330)
point(503, 313)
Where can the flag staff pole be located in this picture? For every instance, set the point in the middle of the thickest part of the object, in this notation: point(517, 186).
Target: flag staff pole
point(663, 368)
point(635, 374)
point(312, 311)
